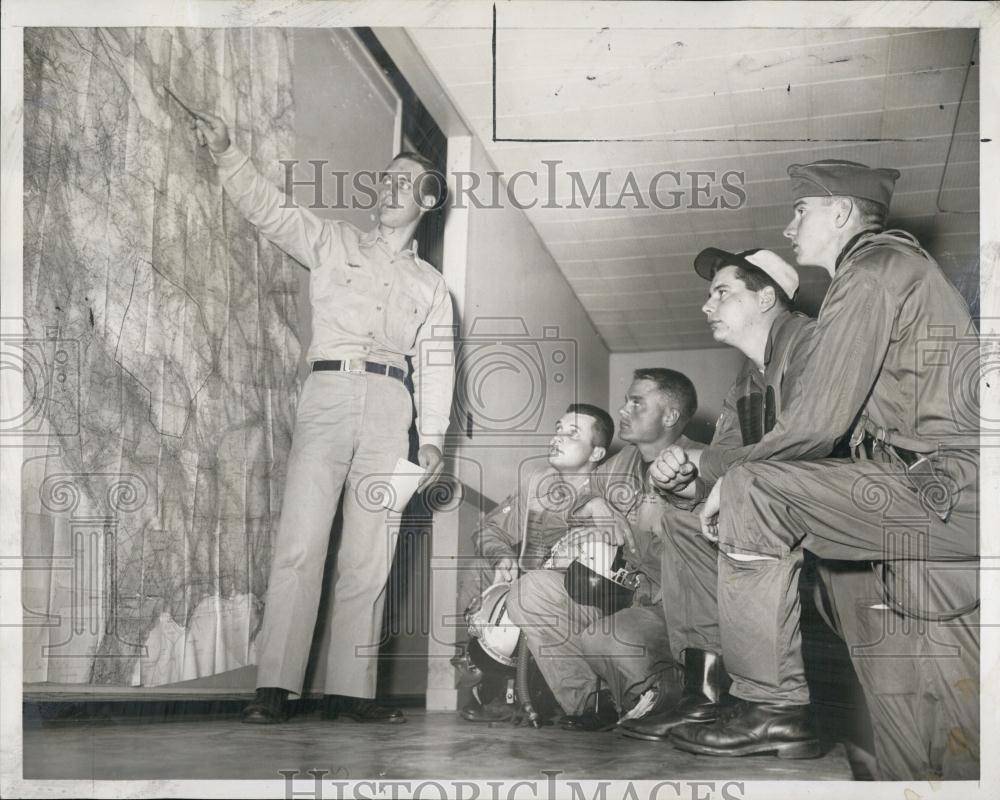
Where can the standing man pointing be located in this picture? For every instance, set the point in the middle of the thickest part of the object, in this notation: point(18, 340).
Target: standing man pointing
point(374, 302)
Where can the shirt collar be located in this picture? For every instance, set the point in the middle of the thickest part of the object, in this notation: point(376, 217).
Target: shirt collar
point(374, 236)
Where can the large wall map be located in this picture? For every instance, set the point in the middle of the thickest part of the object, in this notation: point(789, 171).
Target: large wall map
point(167, 331)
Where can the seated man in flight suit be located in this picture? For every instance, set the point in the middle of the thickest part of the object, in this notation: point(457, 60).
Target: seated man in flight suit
point(572, 644)
point(518, 535)
point(885, 361)
point(748, 308)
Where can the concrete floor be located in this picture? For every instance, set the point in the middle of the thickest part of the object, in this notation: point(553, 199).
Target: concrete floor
point(429, 745)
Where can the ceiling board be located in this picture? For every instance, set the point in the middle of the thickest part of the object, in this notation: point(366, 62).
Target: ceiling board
point(751, 101)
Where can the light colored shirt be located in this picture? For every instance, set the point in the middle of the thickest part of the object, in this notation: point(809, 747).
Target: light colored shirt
point(367, 301)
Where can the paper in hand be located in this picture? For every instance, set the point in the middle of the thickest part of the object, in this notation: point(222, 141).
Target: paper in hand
point(405, 478)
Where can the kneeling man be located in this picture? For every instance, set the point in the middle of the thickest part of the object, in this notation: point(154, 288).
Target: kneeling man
point(572, 644)
point(518, 535)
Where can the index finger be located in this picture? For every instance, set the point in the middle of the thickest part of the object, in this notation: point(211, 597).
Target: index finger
point(204, 116)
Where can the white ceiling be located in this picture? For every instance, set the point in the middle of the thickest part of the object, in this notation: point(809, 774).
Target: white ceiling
point(631, 268)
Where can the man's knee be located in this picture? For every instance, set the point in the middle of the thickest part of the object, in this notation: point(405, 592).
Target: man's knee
point(736, 497)
point(638, 632)
point(749, 525)
point(535, 593)
point(753, 475)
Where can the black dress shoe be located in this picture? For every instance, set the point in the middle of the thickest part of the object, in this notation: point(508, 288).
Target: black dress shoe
point(747, 729)
point(267, 708)
point(706, 685)
point(602, 718)
point(494, 711)
point(360, 710)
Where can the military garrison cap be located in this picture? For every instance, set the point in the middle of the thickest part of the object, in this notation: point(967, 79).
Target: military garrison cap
point(845, 178)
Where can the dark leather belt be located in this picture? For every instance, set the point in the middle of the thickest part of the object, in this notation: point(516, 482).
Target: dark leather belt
point(918, 470)
point(359, 365)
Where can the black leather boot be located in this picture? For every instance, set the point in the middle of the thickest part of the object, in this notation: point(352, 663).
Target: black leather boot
point(494, 711)
point(706, 684)
point(360, 709)
point(747, 729)
point(603, 717)
point(267, 708)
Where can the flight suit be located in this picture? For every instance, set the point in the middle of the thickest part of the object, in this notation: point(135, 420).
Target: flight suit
point(573, 644)
point(893, 357)
point(690, 561)
point(540, 511)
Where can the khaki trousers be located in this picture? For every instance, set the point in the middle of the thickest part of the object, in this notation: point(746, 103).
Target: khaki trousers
point(350, 428)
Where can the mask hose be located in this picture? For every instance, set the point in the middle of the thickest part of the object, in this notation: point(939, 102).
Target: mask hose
point(523, 661)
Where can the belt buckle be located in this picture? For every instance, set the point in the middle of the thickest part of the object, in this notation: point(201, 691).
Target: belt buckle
point(353, 365)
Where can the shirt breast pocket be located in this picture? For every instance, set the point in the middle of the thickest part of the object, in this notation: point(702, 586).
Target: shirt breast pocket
point(343, 283)
point(407, 312)
point(344, 295)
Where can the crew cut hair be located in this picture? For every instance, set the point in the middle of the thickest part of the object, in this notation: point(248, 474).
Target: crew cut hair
point(676, 385)
point(604, 426)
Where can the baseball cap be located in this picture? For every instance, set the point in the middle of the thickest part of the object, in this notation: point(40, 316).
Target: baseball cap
point(712, 259)
point(845, 178)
